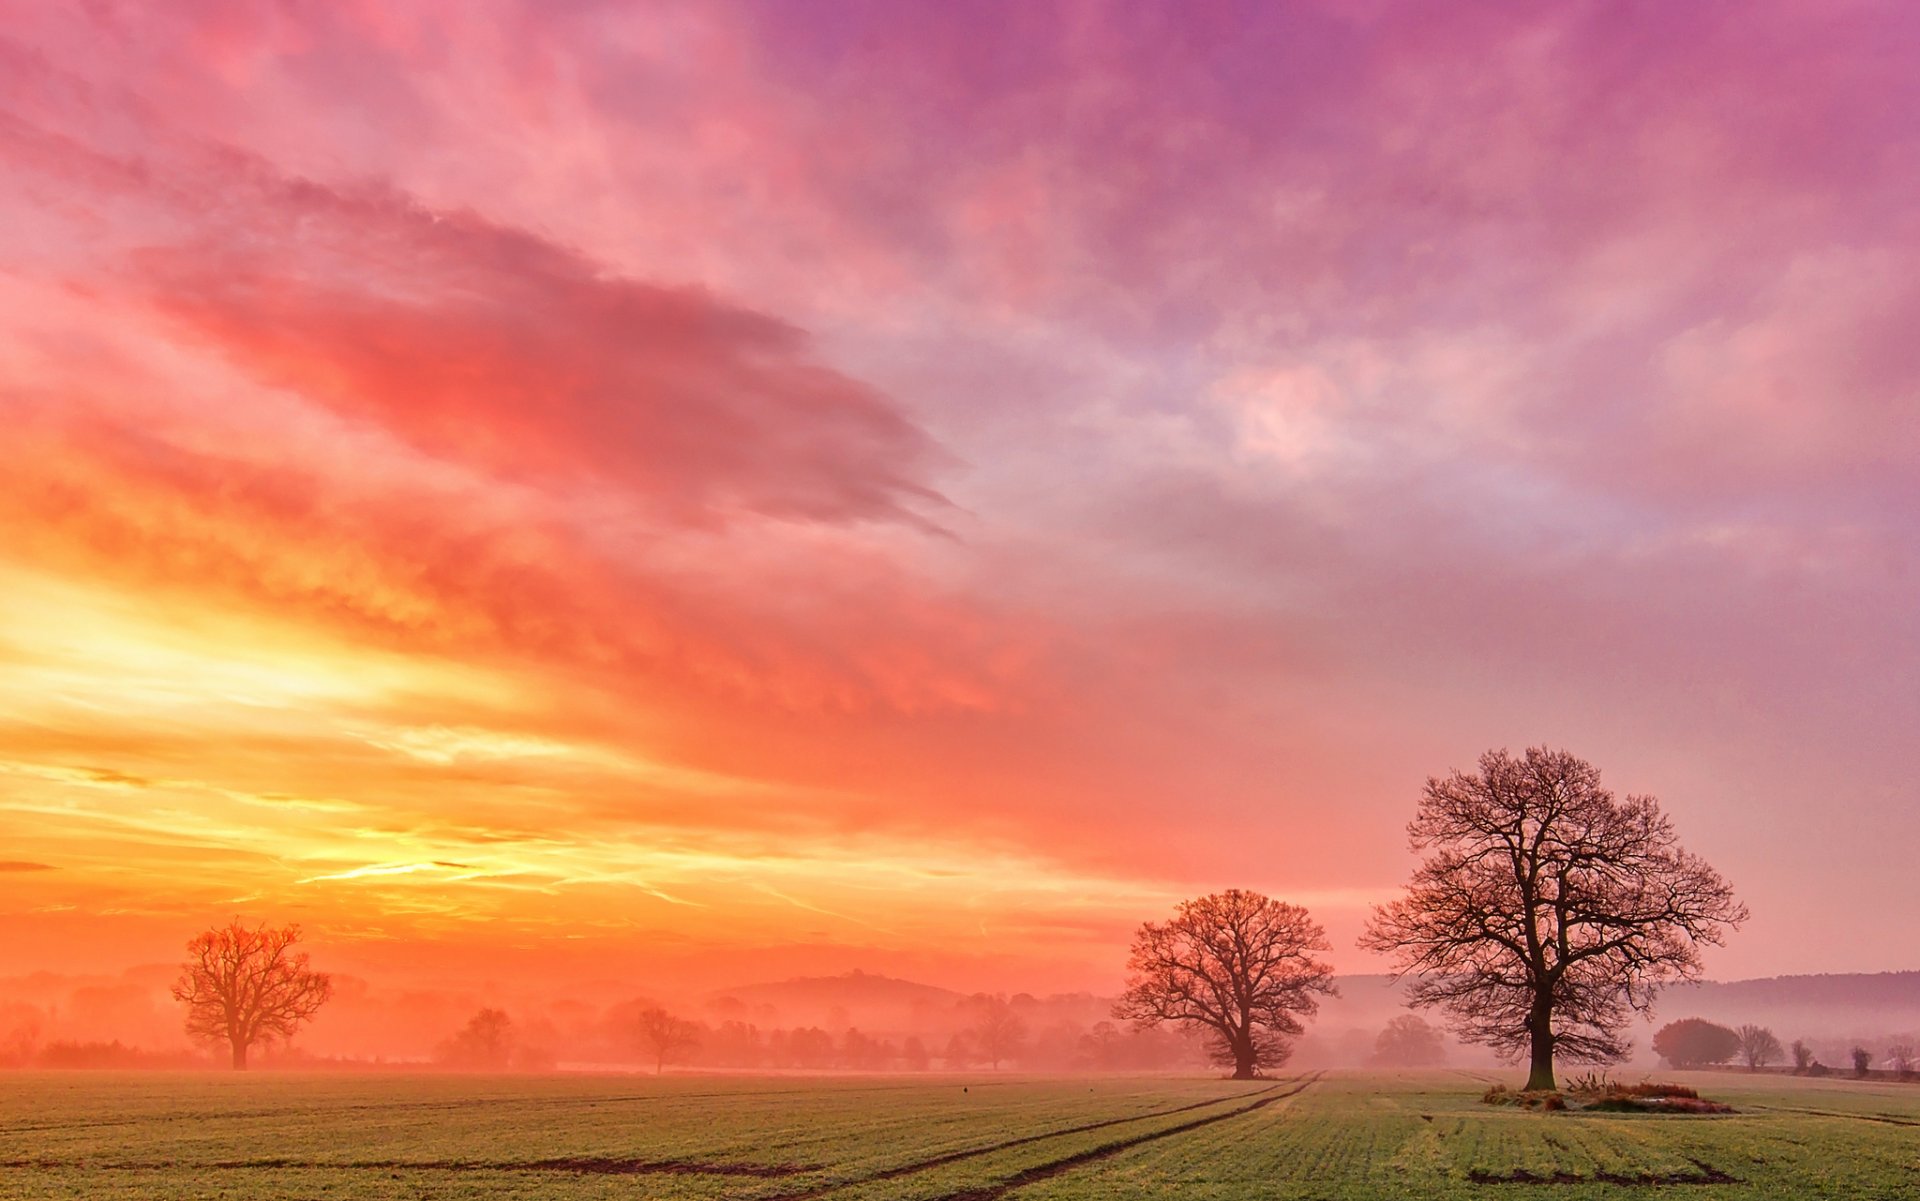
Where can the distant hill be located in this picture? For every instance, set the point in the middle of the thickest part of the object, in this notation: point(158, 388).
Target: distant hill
point(857, 998)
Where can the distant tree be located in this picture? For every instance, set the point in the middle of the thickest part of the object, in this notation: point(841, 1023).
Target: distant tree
point(1802, 1056)
point(914, 1054)
point(1695, 1043)
point(245, 986)
point(960, 1052)
point(998, 1032)
point(20, 1026)
point(664, 1036)
point(1900, 1058)
point(810, 1047)
point(1758, 1047)
point(735, 1044)
point(1100, 1046)
point(485, 1042)
point(1409, 1042)
point(1235, 964)
point(1547, 912)
point(1862, 1061)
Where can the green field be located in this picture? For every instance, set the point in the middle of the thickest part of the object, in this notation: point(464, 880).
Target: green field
point(769, 1138)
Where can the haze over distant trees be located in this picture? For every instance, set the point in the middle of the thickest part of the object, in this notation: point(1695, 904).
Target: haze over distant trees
point(1409, 1042)
point(1547, 912)
point(664, 1036)
point(485, 1043)
point(998, 1033)
point(245, 986)
point(1235, 964)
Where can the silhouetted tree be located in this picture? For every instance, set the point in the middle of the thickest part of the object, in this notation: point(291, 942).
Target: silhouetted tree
point(1802, 1056)
point(244, 986)
point(486, 1041)
point(664, 1036)
point(1862, 1061)
point(1758, 1047)
point(1695, 1043)
point(1236, 964)
point(1409, 1042)
point(998, 1032)
point(1546, 912)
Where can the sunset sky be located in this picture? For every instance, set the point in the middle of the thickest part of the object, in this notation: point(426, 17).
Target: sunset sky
point(712, 492)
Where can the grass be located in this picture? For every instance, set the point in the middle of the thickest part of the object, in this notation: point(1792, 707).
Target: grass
point(1338, 1135)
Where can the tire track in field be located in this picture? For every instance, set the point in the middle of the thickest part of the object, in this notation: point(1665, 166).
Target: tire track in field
point(585, 1101)
point(1045, 1171)
point(950, 1157)
point(1884, 1118)
point(579, 1165)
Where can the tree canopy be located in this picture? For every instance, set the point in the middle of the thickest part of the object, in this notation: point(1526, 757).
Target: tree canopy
point(1696, 1043)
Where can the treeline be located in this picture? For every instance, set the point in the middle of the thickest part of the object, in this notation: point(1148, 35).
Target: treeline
point(998, 1035)
point(1698, 1043)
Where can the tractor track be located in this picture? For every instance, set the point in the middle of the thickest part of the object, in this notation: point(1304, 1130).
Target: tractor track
point(938, 1161)
point(1045, 1171)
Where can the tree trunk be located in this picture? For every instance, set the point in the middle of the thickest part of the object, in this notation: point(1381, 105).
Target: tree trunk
point(239, 1054)
point(1243, 1060)
point(1540, 1027)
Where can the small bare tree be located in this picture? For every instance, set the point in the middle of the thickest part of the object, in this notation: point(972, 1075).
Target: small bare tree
point(1235, 964)
point(998, 1032)
point(1758, 1047)
point(1802, 1056)
point(665, 1036)
point(1900, 1058)
point(244, 986)
point(1547, 912)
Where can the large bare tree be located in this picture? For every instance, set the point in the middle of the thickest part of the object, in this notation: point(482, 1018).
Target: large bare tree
point(1236, 964)
point(1547, 912)
point(244, 986)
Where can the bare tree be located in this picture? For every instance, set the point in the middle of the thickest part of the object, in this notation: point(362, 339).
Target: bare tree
point(1235, 964)
point(1409, 1042)
point(1900, 1058)
point(1758, 1047)
point(999, 1033)
point(664, 1036)
point(1546, 912)
point(1802, 1056)
point(245, 986)
point(1862, 1061)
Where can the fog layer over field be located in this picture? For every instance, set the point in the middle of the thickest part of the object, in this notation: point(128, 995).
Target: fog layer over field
point(856, 1021)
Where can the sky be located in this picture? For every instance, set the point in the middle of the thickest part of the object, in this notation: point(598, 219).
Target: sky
point(711, 492)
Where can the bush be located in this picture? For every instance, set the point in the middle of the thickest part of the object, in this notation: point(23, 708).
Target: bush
point(1695, 1042)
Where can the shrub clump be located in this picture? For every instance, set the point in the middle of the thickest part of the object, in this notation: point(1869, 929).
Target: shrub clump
point(1601, 1095)
point(1542, 1099)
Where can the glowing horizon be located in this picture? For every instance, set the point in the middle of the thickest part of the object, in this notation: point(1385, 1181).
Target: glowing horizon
point(735, 489)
